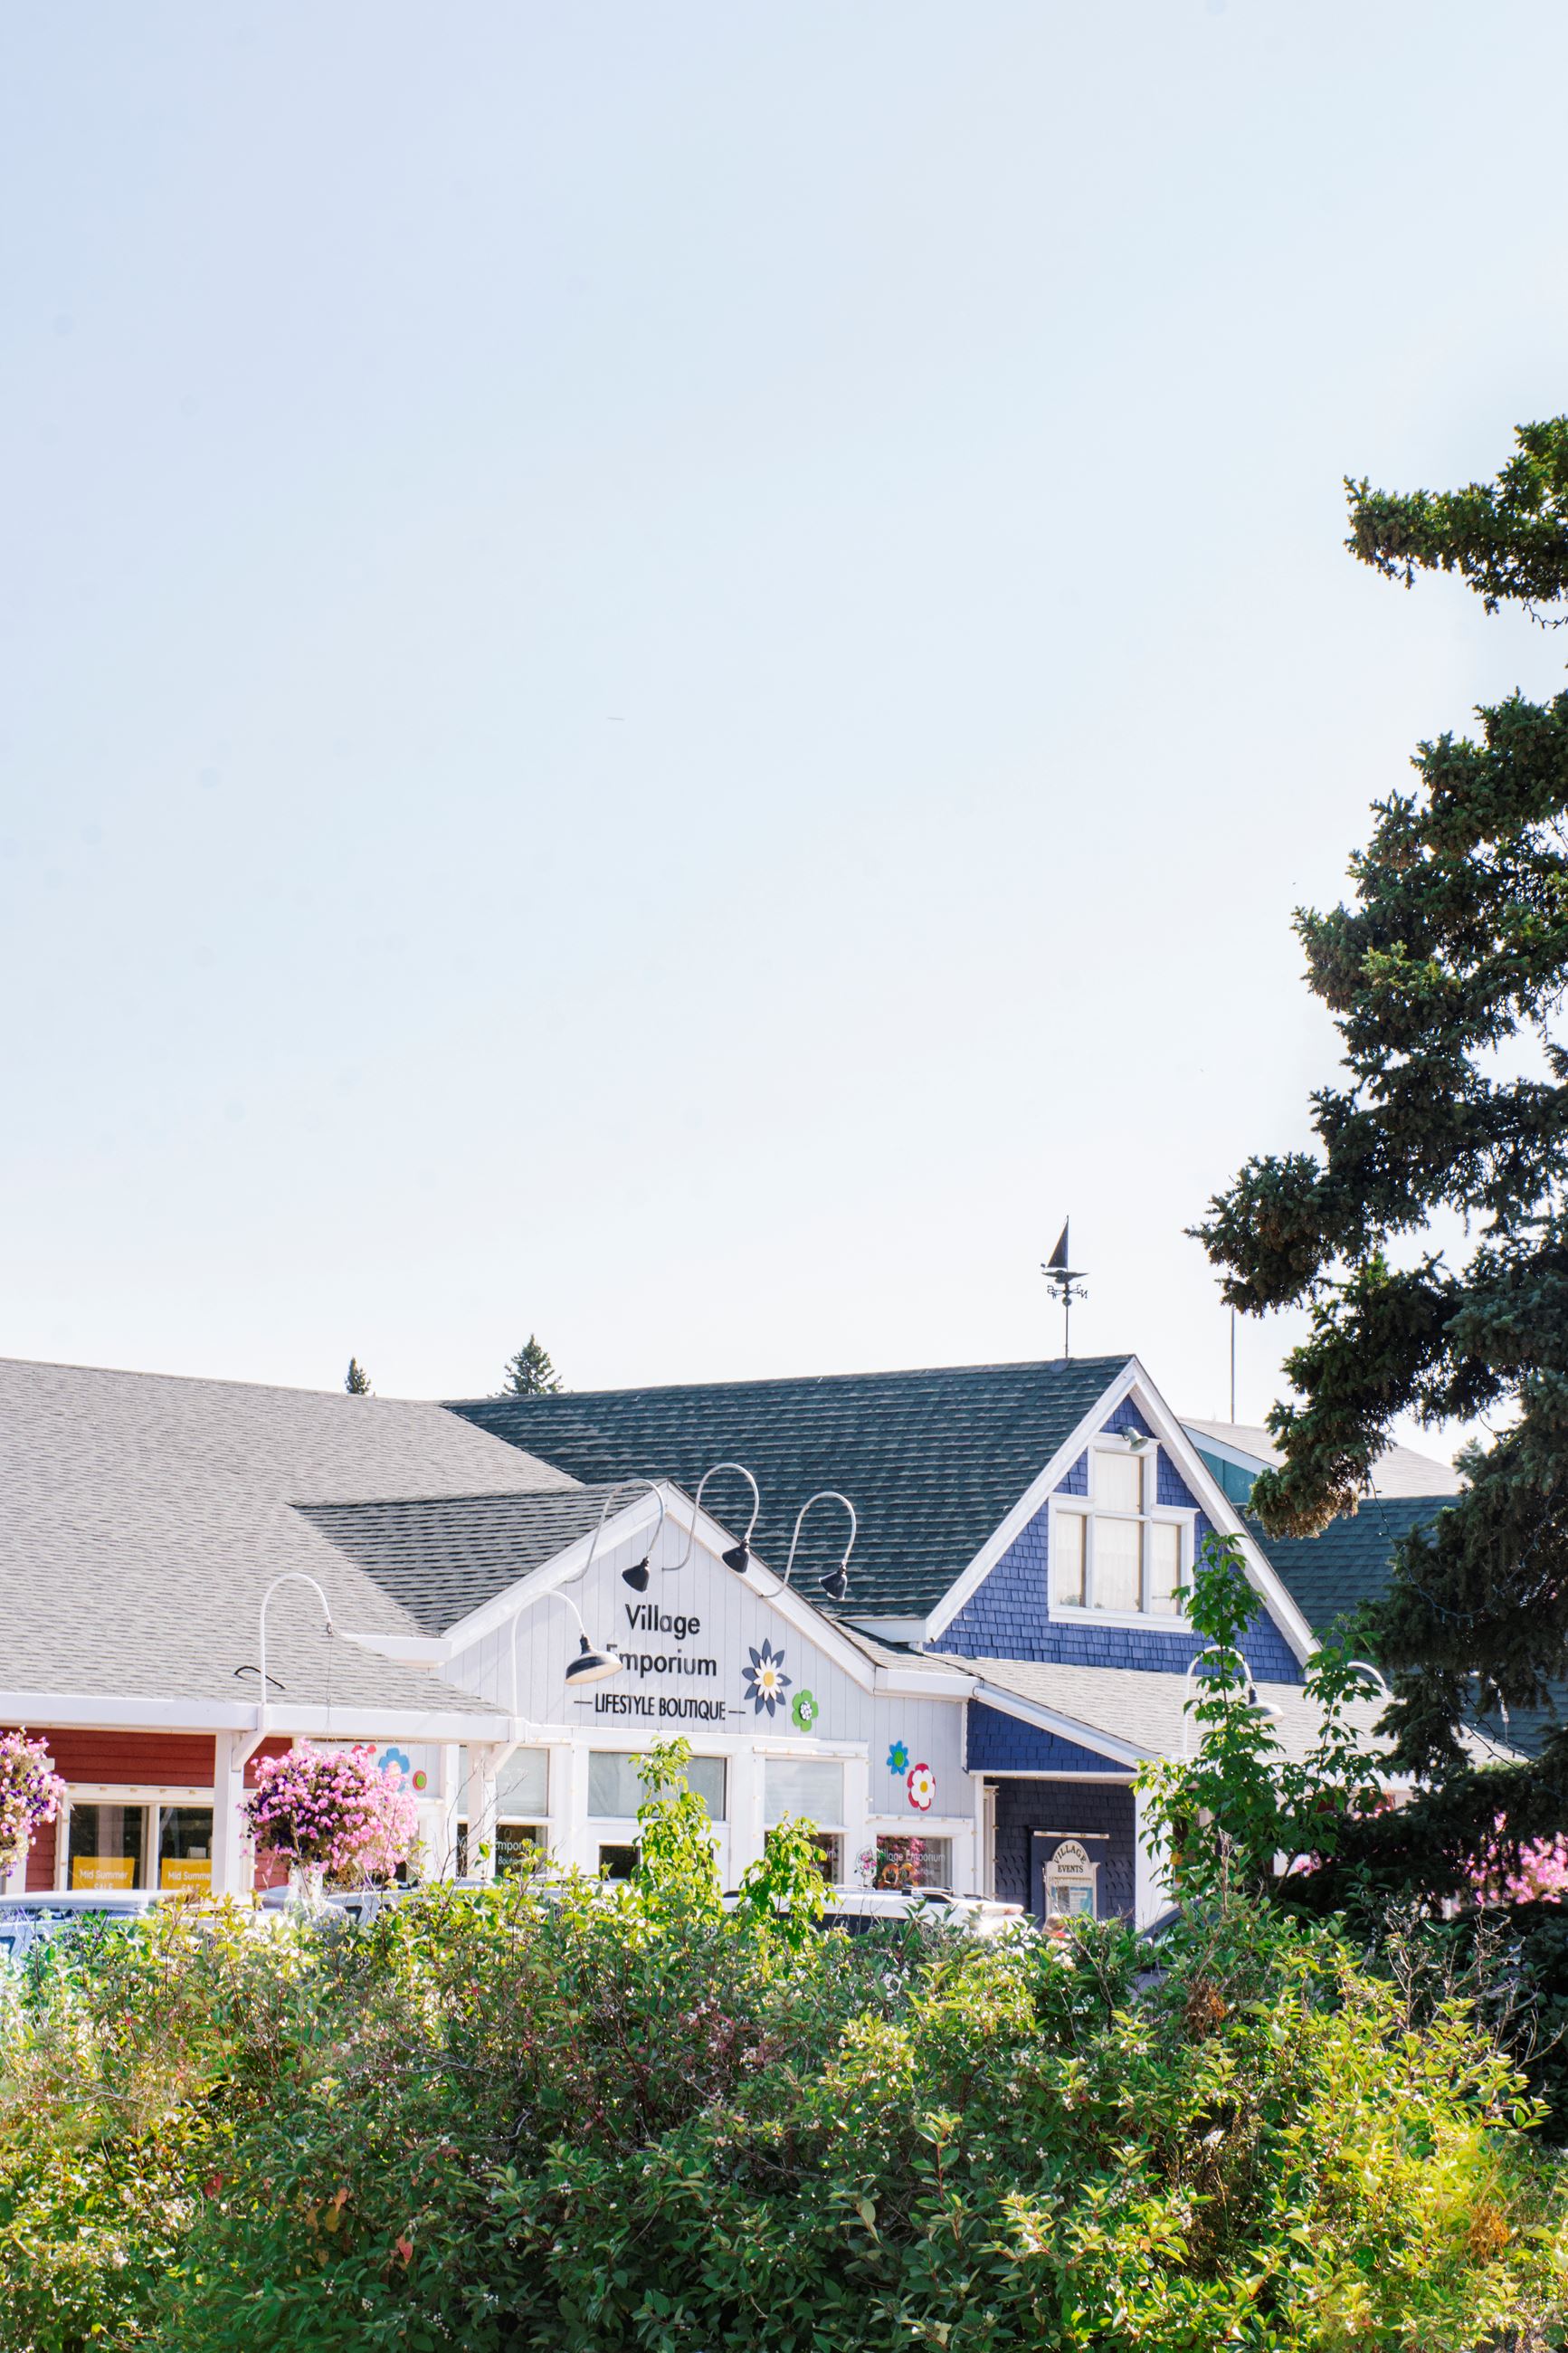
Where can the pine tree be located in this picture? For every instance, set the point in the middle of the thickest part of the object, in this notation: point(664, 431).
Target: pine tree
point(1445, 977)
point(530, 1373)
point(357, 1380)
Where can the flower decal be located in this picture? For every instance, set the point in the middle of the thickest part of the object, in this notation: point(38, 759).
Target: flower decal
point(803, 1710)
point(395, 1761)
point(921, 1783)
point(766, 1679)
point(898, 1757)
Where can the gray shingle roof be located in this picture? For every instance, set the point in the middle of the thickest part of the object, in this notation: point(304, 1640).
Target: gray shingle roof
point(1147, 1711)
point(441, 1558)
point(1351, 1561)
point(142, 1517)
point(932, 1460)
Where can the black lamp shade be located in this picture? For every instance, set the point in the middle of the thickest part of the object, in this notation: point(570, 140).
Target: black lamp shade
point(591, 1666)
point(737, 1557)
point(837, 1585)
point(636, 1577)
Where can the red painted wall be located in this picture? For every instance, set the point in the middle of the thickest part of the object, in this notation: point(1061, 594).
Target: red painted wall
point(180, 1760)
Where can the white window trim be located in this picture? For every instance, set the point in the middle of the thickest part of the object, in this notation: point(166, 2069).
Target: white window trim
point(1183, 1517)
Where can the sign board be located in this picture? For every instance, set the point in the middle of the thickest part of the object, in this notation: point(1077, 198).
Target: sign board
point(185, 1874)
point(1069, 1881)
point(99, 1871)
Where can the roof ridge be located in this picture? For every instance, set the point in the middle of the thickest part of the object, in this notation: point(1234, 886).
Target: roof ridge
point(578, 1491)
point(197, 1381)
point(799, 1380)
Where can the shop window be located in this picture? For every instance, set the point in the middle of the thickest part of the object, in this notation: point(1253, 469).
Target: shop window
point(185, 1849)
point(812, 1786)
point(913, 1863)
point(829, 1848)
point(520, 1849)
point(614, 1788)
point(1118, 1549)
point(618, 1862)
point(108, 1846)
point(1071, 1883)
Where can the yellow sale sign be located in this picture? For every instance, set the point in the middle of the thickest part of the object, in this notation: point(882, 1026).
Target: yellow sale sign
point(187, 1874)
point(90, 1870)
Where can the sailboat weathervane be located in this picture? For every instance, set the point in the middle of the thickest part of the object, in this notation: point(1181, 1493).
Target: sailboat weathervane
point(1068, 1283)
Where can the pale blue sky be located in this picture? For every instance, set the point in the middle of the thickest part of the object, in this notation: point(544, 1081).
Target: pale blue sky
point(670, 670)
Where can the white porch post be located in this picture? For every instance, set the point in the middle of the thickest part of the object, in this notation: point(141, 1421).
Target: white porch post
point(856, 1812)
point(746, 1832)
point(440, 1818)
point(233, 1864)
point(569, 1806)
point(15, 1880)
point(481, 1808)
point(1151, 1895)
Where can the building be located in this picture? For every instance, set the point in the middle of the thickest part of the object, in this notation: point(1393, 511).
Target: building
point(960, 1655)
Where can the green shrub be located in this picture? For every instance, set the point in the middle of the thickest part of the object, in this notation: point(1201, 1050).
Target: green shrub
point(623, 2119)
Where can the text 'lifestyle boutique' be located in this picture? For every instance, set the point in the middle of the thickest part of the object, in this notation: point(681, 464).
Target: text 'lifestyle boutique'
point(526, 1593)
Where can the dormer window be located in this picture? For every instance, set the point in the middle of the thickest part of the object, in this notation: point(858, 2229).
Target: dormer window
point(1117, 1551)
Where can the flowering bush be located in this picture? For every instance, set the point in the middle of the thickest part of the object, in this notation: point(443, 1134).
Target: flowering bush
point(331, 1807)
point(1537, 1872)
point(31, 1792)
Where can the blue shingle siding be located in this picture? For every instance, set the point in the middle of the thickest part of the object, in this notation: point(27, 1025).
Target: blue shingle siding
point(1076, 1480)
point(1065, 1808)
point(998, 1743)
point(1009, 1616)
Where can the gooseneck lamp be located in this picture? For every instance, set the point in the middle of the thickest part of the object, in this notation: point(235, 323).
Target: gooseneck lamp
point(739, 1556)
point(589, 1666)
point(637, 1576)
point(836, 1584)
point(289, 1577)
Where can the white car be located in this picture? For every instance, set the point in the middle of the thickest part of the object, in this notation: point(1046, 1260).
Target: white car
point(29, 1920)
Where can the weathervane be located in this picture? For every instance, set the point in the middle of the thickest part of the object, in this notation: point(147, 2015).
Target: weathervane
point(1068, 1283)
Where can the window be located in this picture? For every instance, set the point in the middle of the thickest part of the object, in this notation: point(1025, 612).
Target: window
point(618, 1862)
point(614, 1788)
point(911, 1863)
point(1117, 1549)
point(185, 1849)
point(520, 1849)
point(809, 1785)
point(108, 1846)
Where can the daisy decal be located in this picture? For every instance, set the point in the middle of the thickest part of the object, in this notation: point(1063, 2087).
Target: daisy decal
point(766, 1679)
point(921, 1783)
point(898, 1757)
point(803, 1710)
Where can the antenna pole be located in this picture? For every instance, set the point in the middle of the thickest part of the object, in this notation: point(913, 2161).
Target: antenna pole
point(1232, 1364)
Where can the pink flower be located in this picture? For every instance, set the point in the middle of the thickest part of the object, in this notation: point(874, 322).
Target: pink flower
point(331, 1807)
point(31, 1793)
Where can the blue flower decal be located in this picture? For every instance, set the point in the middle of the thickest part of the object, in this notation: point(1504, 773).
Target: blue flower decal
point(395, 1761)
point(898, 1757)
point(766, 1679)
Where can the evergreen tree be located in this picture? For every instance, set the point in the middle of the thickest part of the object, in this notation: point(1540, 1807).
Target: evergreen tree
point(530, 1373)
point(1445, 977)
point(357, 1380)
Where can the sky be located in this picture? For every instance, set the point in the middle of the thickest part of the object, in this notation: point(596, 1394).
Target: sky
point(667, 672)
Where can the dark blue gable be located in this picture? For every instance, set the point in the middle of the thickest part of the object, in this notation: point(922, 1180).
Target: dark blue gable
point(1009, 1616)
point(997, 1743)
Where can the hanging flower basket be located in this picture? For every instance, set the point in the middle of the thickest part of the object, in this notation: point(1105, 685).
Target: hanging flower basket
point(31, 1793)
point(330, 1814)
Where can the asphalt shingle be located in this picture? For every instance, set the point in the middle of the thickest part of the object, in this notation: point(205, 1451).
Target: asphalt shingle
point(932, 1460)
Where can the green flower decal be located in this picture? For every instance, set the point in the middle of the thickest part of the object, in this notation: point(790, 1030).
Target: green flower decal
point(803, 1710)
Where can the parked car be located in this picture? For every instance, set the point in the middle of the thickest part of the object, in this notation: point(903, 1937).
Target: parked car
point(29, 1920)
